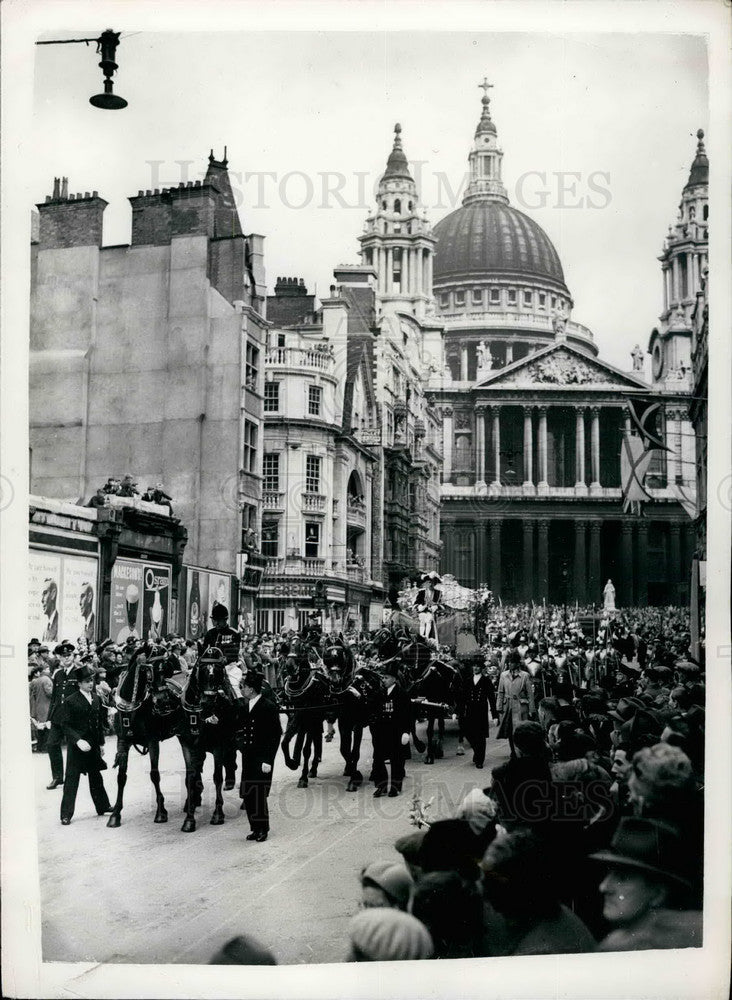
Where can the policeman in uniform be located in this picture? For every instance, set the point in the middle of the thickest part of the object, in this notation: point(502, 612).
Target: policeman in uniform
point(227, 640)
point(64, 683)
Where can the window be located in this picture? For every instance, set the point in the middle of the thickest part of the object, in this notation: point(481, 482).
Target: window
point(270, 538)
point(528, 297)
point(280, 340)
point(512, 296)
point(271, 397)
point(252, 366)
point(459, 298)
point(444, 298)
point(397, 206)
point(542, 300)
point(554, 302)
point(495, 295)
point(271, 472)
point(314, 397)
point(249, 463)
point(312, 474)
point(705, 213)
point(312, 539)
point(477, 296)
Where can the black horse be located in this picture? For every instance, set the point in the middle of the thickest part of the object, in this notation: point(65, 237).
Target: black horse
point(356, 705)
point(307, 697)
point(436, 690)
point(148, 711)
point(210, 715)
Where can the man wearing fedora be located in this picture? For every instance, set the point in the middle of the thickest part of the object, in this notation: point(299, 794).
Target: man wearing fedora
point(646, 889)
point(82, 717)
point(259, 739)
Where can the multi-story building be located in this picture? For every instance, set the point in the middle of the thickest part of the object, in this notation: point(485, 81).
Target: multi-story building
point(534, 420)
point(147, 358)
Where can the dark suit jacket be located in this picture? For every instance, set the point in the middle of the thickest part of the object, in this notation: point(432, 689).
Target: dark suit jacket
point(259, 738)
point(63, 686)
point(82, 721)
point(394, 714)
point(477, 699)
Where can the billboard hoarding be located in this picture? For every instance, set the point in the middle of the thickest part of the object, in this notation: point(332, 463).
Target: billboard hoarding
point(62, 596)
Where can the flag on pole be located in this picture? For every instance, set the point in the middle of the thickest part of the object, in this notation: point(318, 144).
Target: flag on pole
point(645, 415)
point(638, 449)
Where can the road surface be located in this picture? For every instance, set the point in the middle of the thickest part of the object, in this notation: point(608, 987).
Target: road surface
point(148, 893)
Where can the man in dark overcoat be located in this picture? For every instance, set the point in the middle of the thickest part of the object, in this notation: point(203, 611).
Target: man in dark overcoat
point(82, 717)
point(479, 696)
point(390, 734)
point(259, 739)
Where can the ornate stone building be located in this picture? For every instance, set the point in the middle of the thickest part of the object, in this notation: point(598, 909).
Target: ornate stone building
point(533, 419)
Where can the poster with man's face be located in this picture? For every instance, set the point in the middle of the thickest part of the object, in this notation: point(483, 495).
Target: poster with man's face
point(79, 596)
point(44, 596)
point(219, 592)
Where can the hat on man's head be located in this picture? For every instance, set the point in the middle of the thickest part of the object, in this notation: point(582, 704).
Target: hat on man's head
point(409, 844)
point(392, 878)
point(83, 673)
point(449, 845)
point(381, 934)
point(243, 950)
point(34, 642)
point(219, 612)
point(64, 648)
point(651, 846)
point(43, 648)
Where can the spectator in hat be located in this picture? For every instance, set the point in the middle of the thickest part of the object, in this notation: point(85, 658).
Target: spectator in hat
point(40, 689)
point(388, 935)
point(408, 846)
point(82, 717)
point(99, 498)
point(385, 883)
point(647, 888)
point(451, 908)
point(128, 488)
point(450, 845)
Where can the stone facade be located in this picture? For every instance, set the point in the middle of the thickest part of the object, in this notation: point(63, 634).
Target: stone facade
point(147, 358)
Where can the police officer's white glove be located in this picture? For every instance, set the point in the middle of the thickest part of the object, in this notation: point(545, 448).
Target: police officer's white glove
point(83, 745)
point(212, 719)
point(405, 739)
point(266, 768)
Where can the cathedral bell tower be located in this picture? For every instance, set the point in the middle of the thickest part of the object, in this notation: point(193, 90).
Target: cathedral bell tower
point(485, 159)
point(397, 240)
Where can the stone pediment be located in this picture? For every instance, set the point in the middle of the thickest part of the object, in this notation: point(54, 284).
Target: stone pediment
point(560, 367)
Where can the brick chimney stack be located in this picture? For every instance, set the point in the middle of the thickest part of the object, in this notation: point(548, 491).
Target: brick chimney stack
point(186, 210)
point(70, 220)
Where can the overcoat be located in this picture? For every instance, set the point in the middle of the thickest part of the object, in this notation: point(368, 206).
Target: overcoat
point(515, 700)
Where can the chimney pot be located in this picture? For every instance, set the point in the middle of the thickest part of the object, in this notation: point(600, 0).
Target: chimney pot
point(157, 191)
point(48, 198)
point(95, 194)
point(72, 197)
point(87, 195)
point(148, 194)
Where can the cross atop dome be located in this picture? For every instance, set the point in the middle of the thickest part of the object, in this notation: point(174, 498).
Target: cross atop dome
point(485, 124)
point(485, 87)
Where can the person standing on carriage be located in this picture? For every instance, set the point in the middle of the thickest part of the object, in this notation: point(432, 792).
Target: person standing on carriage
point(226, 639)
point(390, 734)
point(259, 740)
point(425, 604)
point(479, 696)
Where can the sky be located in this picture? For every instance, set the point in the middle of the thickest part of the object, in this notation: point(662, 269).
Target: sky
point(598, 133)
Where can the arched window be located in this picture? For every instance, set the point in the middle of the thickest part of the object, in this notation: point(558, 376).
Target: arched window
point(411, 206)
point(383, 204)
point(398, 206)
point(692, 213)
point(705, 213)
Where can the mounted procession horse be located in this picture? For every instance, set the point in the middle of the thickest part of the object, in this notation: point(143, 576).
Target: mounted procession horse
point(358, 699)
point(306, 699)
point(436, 690)
point(210, 717)
point(149, 711)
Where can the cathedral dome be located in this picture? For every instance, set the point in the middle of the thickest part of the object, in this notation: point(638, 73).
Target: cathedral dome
point(488, 237)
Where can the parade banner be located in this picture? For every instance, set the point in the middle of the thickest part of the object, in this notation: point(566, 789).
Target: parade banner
point(62, 596)
point(139, 600)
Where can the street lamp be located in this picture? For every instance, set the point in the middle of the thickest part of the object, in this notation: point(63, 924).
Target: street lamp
point(106, 45)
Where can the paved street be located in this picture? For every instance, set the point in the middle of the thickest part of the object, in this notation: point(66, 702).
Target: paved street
point(150, 893)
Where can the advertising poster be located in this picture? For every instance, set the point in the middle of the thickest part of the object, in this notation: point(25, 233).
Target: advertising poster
point(219, 592)
point(205, 588)
point(156, 602)
point(78, 598)
point(62, 596)
point(125, 606)
point(44, 596)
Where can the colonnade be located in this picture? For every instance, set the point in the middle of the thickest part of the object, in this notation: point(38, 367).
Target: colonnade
point(416, 270)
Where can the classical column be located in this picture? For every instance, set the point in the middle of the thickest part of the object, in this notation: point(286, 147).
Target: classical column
point(509, 352)
point(480, 444)
point(679, 457)
point(676, 571)
point(495, 555)
point(579, 450)
point(543, 581)
point(406, 272)
point(676, 281)
point(464, 363)
point(594, 595)
point(428, 289)
point(642, 581)
point(626, 421)
point(543, 469)
point(528, 449)
point(446, 444)
point(595, 448)
point(389, 261)
point(580, 561)
point(528, 582)
point(481, 570)
point(626, 564)
point(496, 410)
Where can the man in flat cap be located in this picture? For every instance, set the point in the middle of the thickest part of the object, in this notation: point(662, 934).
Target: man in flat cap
point(82, 717)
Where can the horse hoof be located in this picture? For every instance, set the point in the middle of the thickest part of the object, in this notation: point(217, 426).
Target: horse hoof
point(460, 752)
point(229, 785)
point(292, 765)
point(189, 825)
point(114, 821)
point(313, 772)
point(346, 772)
point(217, 819)
point(419, 746)
point(161, 816)
point(302, 783)
point(439, 754)
point(429, 760)
point(351, 786)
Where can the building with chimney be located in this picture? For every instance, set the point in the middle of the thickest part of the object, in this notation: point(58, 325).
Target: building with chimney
point(534, 420)
point(147, 359)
